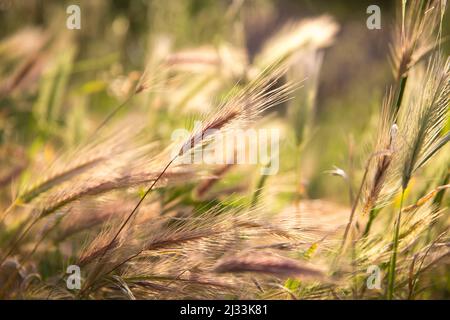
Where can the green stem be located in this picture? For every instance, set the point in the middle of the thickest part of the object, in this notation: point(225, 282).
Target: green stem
point(258, 190)
point(400, 92)
point(372, 215)
point(393, 261)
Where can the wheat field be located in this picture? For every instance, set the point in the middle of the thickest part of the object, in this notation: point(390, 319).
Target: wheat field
point(101, 197)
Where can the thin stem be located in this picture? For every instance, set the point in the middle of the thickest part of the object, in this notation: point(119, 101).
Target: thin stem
point(258, 190)
point(400, 92)
point(132, 213)
point(112, 114)
point(372, 215)
point(16, 242)
point(393, 261)
point(352, 213)
point(355, 205)
point(8, 210)
point(355, 280)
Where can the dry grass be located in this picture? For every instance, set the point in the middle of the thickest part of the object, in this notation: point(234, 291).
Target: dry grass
point(142, 223)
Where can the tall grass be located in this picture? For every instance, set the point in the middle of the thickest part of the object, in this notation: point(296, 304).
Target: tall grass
point(121, 202)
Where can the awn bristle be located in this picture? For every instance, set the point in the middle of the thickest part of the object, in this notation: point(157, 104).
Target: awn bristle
point(241, 109)
point(415, 35)
point(422, 124)
point(383, 154)
point(267, 263)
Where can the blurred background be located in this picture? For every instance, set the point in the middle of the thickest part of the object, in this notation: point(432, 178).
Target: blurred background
point(159, 65)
